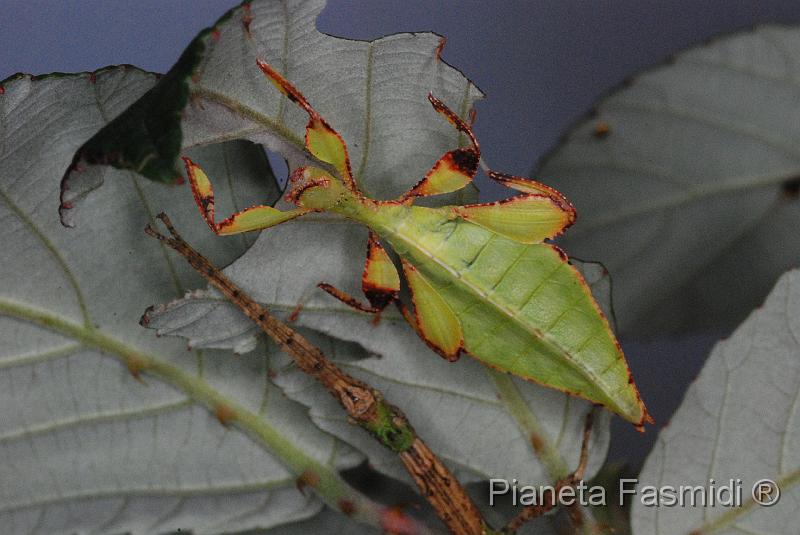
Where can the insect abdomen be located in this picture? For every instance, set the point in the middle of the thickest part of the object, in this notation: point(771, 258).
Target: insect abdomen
point(522, 308)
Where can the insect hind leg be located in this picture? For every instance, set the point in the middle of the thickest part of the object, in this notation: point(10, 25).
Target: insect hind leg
point(380, 281)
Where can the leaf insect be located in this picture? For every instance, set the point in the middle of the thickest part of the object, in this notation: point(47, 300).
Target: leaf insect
point(482, 277)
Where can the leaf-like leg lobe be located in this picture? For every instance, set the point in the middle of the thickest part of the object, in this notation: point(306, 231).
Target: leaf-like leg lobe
point(529, 218)
point(434, 320)
point(450, 173)
point(456, 168)
point(527, 185)
point(380, 281)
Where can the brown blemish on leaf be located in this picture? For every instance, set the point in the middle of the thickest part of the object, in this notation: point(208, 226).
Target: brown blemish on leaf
point(791, 188)
point(247, 18)
point(396, 522)
point(135, 366)
point(537, 443)
point(295, 313)
point(440, 48)
point(224, 414)
point(347, 507)
point(307, 479)
point(601, 130)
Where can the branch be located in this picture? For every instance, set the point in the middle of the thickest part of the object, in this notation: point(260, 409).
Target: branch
point(364, 404)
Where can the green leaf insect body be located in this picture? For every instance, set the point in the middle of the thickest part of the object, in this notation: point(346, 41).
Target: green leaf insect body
point(482, 279)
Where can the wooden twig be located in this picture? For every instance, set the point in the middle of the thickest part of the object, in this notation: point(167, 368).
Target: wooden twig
point(364, 404)
point(529, 512)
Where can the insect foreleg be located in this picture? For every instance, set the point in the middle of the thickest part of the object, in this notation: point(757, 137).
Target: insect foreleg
point(321, 140)
point(253, 218)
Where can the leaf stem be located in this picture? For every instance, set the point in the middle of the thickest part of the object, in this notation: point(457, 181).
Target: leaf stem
point(328, 484)
point(527, 421)
point(547, 453)
point(530, 512)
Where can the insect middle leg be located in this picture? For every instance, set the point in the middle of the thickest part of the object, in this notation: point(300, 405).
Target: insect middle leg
point(456, 168)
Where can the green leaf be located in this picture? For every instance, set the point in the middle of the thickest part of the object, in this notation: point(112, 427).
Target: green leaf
point(739, 420)
point(445, 402)
point(86, 447)
point(373, 93)
point(685, 182)
point(148, 134)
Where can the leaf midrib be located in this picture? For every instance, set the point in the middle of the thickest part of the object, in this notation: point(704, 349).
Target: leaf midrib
point(784, 482)
point(183, 492)
point(198, 390)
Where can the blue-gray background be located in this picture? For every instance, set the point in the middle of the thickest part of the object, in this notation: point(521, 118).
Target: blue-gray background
point(541, 63)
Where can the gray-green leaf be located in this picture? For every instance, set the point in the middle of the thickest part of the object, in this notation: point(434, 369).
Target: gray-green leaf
point(685, 181)
point(456, 408)
point(85, 446)
point(373, 93)
point(739, 420)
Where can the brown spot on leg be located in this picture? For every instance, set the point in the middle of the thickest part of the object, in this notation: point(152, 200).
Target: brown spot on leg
point(466, 160)
point(345, 298)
